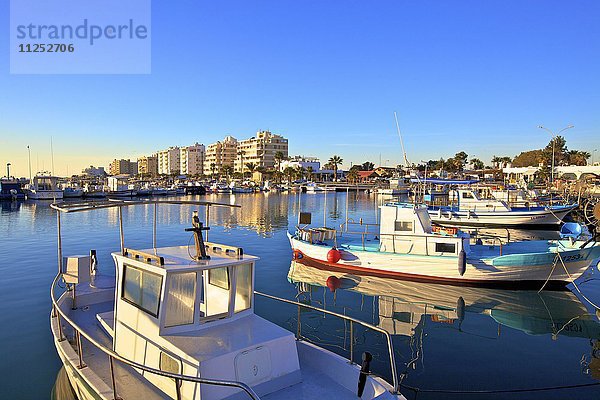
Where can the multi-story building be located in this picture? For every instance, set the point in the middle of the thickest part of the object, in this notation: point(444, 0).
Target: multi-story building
point(94, 172)
point(119, 167)
point(301, 161)
point(192, 159)
point(260, 150)
point(148, 165)
point(220, 154)
point(169, 161)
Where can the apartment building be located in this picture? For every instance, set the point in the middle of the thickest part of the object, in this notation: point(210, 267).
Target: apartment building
point(169, 161)
point(148, 165)
point(220, 154)
point(192, 159)
point(260, 150)
point(122, 166)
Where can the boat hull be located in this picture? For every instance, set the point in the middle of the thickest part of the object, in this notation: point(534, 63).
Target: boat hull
point(511, 271)
point(44, 194)
point(504, 218)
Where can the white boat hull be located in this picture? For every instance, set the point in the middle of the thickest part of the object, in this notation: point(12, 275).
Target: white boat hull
point(503, 218)
point(512, 271)
point(44, 194)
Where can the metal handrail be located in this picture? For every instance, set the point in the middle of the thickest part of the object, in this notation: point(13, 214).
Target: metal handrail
point(112, 355)
point(352, 321)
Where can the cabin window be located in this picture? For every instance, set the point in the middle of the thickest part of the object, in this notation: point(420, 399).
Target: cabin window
point(141, 289)
point(404, 226)
point(445, 248)
point(467, 195)
point(217, 293)
point(243, 287)
point(168, 363)
point(181, 294)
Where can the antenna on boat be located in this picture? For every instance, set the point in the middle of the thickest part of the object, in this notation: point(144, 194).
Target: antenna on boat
point(401, 141)
point(29, 157)
point(197, 228)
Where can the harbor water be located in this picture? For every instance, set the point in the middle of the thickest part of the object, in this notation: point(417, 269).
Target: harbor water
point(449, 342)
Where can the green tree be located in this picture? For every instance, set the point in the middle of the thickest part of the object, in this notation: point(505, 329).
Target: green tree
point(460, 159)
point(477, 163)
point(227, 170)
point(577, 157)
point(352, 175)
point(367, 166)
point(309, 173)
point(212, 170)
point(251, 167)
point(531, 158)
point(335, 161)
point(289, 172)
point(279, 157)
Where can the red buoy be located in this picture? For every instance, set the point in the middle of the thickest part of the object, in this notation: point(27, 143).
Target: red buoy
point(333, 283)
point(334, 255)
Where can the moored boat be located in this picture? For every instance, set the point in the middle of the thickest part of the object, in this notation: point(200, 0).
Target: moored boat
point(44, 187)
point(172, 324)
point(408, 246)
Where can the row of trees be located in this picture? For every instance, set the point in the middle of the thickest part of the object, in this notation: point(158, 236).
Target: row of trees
point(562, 155)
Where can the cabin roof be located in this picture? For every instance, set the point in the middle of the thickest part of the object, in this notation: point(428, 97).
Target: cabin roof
point(178, 258)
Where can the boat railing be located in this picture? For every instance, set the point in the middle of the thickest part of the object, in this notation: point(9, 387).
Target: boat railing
point(351, 321)
point(60, 316)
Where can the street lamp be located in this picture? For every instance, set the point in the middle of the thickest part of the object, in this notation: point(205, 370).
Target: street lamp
point(553, 141)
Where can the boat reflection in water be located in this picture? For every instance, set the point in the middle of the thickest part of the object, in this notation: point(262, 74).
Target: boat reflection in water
point(430, 319)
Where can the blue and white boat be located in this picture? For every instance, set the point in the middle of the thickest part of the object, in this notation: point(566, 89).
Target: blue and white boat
point(408, 246)
point(468, 208)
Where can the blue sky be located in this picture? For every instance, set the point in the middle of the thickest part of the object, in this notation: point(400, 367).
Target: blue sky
point(477, 76)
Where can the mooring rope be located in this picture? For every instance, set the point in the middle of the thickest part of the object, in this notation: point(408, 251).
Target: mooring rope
point(574, 284)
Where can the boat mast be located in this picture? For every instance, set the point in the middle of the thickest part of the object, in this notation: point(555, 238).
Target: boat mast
point(29, 157)
point(51, 157)
point(401, 141)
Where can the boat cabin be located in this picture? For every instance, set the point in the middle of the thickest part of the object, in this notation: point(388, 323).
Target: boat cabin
point(45, 183)
point(193, 317)
point(407, 229)
point(469, 199)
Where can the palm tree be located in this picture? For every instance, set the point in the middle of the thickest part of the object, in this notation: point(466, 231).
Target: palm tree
point(309, 173)
point(352, 175)
point(335, 161)
point(227, 170)
point(251, 167)
point(300, 171)
point(279, 156)
point(496, 161)
point(289, 172)
point(241, 153)
point(212, 170)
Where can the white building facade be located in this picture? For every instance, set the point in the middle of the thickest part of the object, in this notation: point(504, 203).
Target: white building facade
point(192, 159)
point(169, 161)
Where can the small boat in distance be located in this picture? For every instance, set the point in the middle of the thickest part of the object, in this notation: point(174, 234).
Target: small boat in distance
point(178, 324)
point(408, 246)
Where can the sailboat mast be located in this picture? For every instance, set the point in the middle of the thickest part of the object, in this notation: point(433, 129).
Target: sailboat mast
point(29, 157)
point(401, 141)
point(51, 156)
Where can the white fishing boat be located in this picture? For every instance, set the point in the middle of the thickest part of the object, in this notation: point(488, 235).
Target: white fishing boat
point(407, 245)
point(44, 187)
point(468, 208)
point(119, 186)
point(180, 324)
point(313, 187)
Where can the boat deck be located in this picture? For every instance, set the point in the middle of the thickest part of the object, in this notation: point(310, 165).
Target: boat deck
point(130, 384)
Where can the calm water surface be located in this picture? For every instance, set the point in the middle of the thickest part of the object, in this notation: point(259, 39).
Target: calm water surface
point(446, 339)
